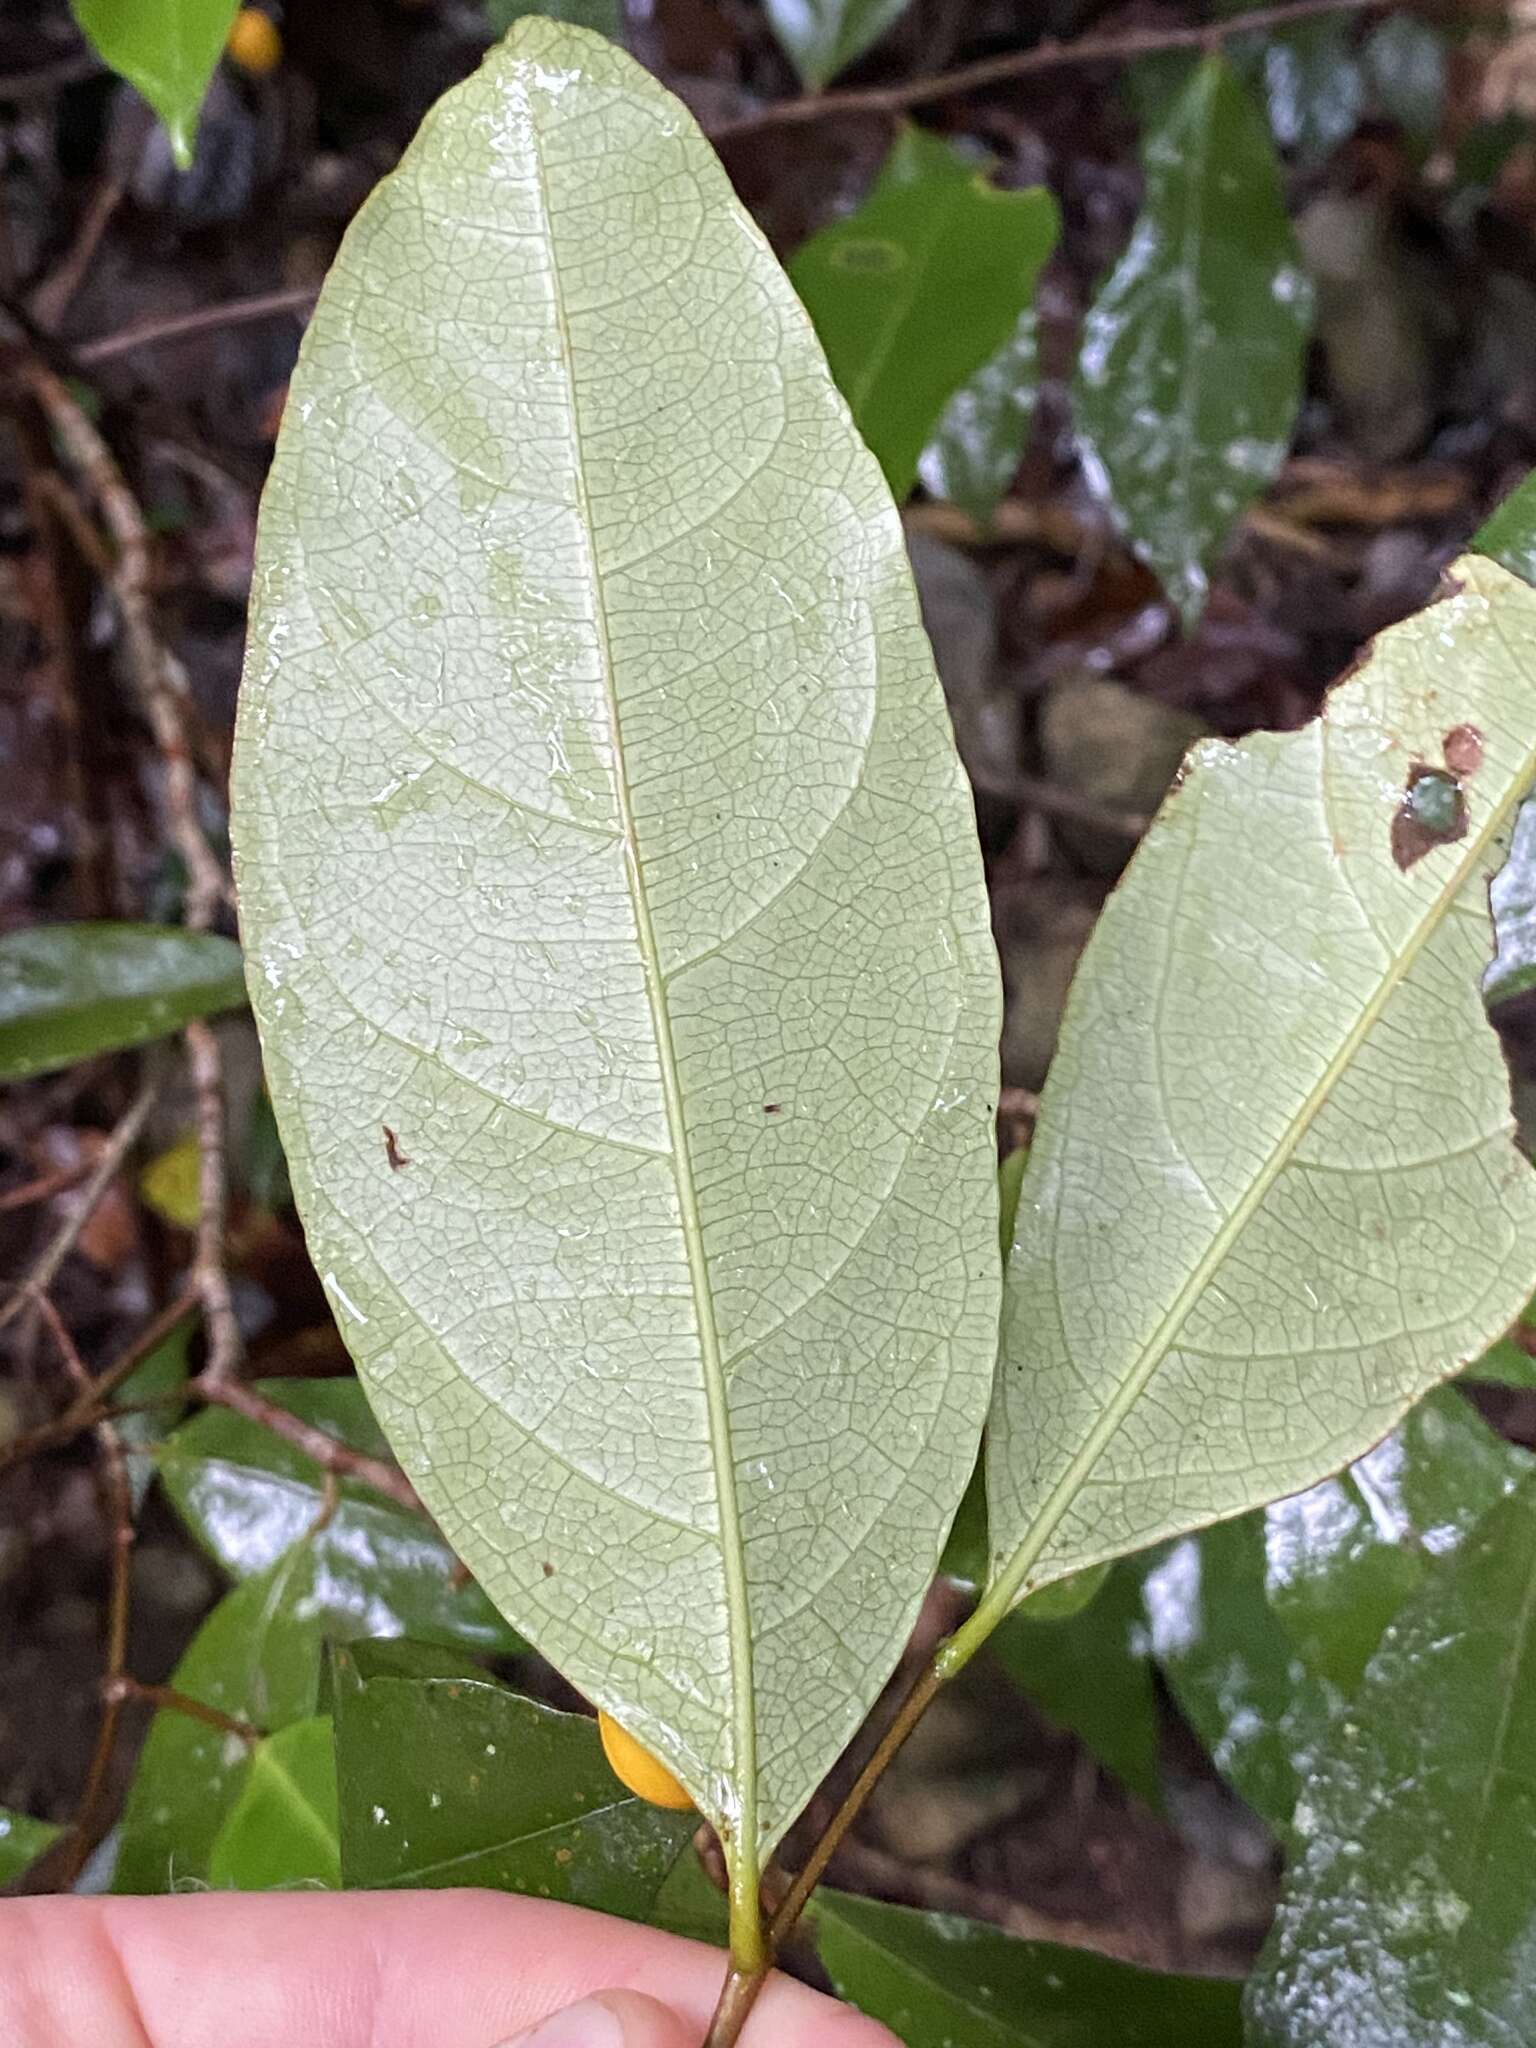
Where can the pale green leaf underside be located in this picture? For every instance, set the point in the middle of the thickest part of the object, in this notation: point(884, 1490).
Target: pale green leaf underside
point(601, 834)
point(1274, 1195)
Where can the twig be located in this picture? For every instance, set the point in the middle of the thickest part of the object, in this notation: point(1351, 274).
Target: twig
point(178, 326)
point(54, 296)
point(158, 678)
point(210, 1276)
point(741, 1988)
point(92, 1816)
point(89, 1404)
point(34, 1288)
point(328, 1452)
point(161, 685)
point(43, 1188)
point(124, 1687)
point(1056, 802)
point(1049, 56)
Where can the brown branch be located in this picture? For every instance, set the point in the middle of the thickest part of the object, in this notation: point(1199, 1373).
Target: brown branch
point(1115, 48)
point(57, 1182)
point(328, 1452)
point(161, 686)
point(89, 1405)
point(92, 1816)
point(33, 1290)
point(179, 326)
point(124, 1687)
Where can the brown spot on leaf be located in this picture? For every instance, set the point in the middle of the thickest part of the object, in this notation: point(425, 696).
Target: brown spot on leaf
point(1433, 813)
point(772, 1108)
point(564, 1855)
point(392, 1151)
point(1463, 750)
point(547, 1569)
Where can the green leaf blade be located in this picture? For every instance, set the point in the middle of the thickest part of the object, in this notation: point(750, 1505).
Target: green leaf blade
point(1410, 1907)
point(1304, 1232)
point(70, 991)
point(882, 287)
point(1190, 371)
point(939, 1980)
point(166, 49)
point(450, 1780)
point(822, 37)
point(283, 1829)
point(608, 1381)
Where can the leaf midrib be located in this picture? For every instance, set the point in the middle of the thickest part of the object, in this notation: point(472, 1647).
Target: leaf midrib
point(1007, 1585)
point(732, 1551)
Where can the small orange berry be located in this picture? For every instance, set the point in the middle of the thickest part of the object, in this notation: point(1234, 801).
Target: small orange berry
point(255, 43)
point(637, 1769)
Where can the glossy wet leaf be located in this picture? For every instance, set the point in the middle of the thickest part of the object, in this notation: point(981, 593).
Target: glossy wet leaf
point(1263, 1626)
point(452, 1780)
point(1236, 1675)
point(1190, 371)
point(979, 441)
point(1407, 63)
point(247, 1495)
point(1311, 83)
point(167, 49)
point(1512, 899)
point(151, 1395)
point(68, 991)
point(1089, 1670)
point(22, 1841)
point(616, 926)
point(282, 1831)
point(256, 1659)
point(1409, 1912)
point(883, 286)
point(1273, 1201)
point(943, 1982)
point(1508, 534)
point(822, 37)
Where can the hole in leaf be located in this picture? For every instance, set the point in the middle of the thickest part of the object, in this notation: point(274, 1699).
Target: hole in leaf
point(1433, 813)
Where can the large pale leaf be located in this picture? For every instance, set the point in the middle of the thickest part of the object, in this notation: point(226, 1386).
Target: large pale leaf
point(1190, 372)
point(1409, 1914)
point(616, 927)
point(883, 287)
point(1273, 1196)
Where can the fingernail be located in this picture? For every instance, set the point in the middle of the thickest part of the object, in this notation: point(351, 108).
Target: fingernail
point(591, 2024)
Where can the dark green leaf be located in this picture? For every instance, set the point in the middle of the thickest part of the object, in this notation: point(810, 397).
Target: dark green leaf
point(157, 1383)
point(459, 1781)
point(1406, 65)
point(1512, 899)
point(247, 1495)
point(1311, 83)
point(70, 990)
point(822, 37)
point(22, 1841)
point(1264, 1624)
point(1235, 1673)
point(883, 286)
point(1190, 372)
point(1409, 1915)
point(606, 17)
point(1090, 1672)
point(282, 1830)
point(979, 440)
point(1508, 534)
point(257, 1659)
point(942, 1982)
point(1510, 1362)
point(265, 1163)
point(165, 48)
